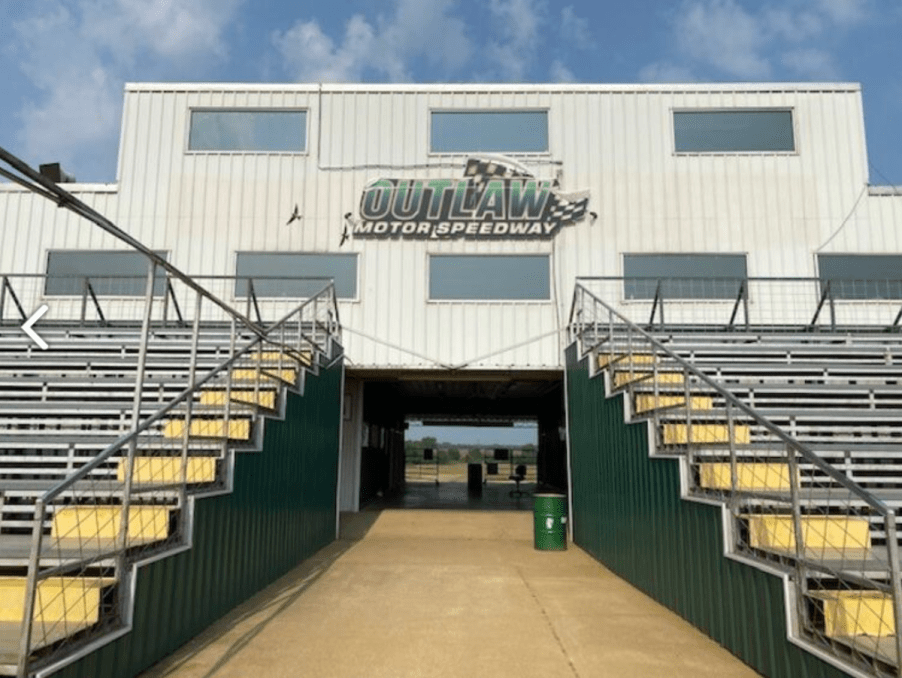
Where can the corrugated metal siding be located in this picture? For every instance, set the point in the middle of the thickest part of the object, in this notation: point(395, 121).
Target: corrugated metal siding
point(627, 512)
point(614, 141)
point(282, 510)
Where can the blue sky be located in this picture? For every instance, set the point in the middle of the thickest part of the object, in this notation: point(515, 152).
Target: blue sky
point(64, 62)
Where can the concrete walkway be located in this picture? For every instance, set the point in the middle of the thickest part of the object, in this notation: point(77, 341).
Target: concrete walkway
point(449, 593)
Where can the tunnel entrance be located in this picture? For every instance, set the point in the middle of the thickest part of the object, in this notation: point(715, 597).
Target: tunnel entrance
point(420, 439)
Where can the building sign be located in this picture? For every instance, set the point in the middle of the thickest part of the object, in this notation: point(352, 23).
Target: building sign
point(496, 199)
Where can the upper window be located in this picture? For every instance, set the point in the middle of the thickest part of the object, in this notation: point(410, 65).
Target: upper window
point(489, 277)
point(489, 131)
point(253, 131)
point(683, 276)
point(109, 272)
point(733, 131)
point(293, 274)
point(862, 276)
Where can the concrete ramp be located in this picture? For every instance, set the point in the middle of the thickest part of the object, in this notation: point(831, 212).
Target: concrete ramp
point(450, 593)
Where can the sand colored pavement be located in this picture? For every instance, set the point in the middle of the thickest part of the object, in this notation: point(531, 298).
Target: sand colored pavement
point(427, 593)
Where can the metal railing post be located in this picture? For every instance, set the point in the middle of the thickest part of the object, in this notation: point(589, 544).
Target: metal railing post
point(7, 287)
point(189, 403)
point(31, 586)
point(798, 533)
point(832, 308)
point(84, 301)
point(3, 298)
point(122, 539)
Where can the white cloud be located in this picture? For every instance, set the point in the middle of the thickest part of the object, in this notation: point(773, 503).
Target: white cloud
point(751, 41)
point(723, 34)
point(78, 54)
point(845, 12)
point(518, 21)
point(560, 73)
point(170, 28)
point(575, 29)
point(311, 55)
point(385, 47)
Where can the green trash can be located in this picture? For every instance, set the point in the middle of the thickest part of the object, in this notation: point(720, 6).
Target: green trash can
point(550, 517)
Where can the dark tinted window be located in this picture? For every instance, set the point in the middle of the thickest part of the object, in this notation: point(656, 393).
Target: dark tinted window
point(862, 276)
point(110, 272)
point(292, 274)
point(733, 131)
point(683, 276)
point(489, 131)
point(489, 277)
point(249, 131)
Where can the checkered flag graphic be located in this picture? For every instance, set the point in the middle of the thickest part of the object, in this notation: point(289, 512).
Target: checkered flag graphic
point(480, 170)
point(566, 209)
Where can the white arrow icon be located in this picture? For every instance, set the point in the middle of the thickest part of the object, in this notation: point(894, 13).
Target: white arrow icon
point(35, 337)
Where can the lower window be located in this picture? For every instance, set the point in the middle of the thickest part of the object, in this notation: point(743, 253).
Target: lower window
point(861, 276)
point(683, 276)
point(295, 274)
point(489, 277)
point(109, 273)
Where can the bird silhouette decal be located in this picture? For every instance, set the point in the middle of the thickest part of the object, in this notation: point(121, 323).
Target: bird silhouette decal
point(295, 216)
point(346, 233)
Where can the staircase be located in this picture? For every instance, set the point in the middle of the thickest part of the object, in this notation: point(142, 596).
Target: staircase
point(95, 481)
point(798, 438)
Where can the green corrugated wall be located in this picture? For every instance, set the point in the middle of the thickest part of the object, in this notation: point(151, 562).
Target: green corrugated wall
point(282, 510)
point(627, 513)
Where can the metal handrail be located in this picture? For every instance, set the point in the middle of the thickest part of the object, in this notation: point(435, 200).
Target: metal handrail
point(784, 437)
point(152, 419)
point(126, 446)
point(580, 325)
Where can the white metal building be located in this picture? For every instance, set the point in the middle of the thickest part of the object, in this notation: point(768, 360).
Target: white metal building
point(456, 218)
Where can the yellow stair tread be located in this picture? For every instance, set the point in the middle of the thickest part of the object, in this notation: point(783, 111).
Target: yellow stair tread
point(750, 476)
point(819, 533)
point(857, 613)
point(59, 599)
point(646, 402)
point(621, 378)
point(679, 434)
point(605, 359)
point(264, 374)
point(237, 429)
point(102, 523)
point(265, 397)
point(168, 470)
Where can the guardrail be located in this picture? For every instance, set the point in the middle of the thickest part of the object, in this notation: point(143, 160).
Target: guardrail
point(773, 304)
point(789, 508)
point(110, 301)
